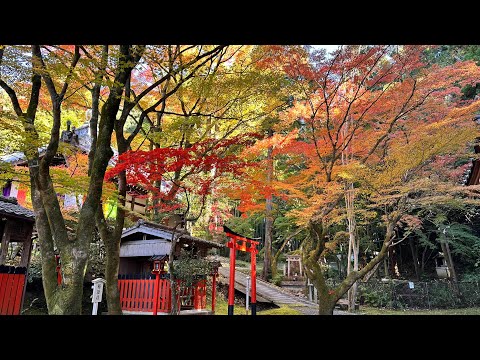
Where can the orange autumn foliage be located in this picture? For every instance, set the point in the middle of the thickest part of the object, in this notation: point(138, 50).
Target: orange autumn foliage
point(383, 105)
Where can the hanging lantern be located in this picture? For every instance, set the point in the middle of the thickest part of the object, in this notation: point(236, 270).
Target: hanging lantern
point(156, 267)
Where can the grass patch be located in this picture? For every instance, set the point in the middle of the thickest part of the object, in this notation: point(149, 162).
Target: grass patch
point(376, 311)
point(283, 310)
point(221, 308)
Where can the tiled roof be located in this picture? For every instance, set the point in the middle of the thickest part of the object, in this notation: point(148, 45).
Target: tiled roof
point(142, 226)
point(9, 206)
point(84, 143)
point(19, 157)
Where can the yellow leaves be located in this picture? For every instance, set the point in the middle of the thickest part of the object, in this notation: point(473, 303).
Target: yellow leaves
point(349, 172)
point(73, 178)
point(407, 156)
point(464, 113)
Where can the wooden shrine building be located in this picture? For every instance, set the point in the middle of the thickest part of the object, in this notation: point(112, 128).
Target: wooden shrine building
point(143, 283)
point(16, 226)
point(146, 242)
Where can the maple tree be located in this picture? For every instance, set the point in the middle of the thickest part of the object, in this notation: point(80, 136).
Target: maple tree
point(313, 143)
point(56, 68)
point(186, 170)
point(226, 98)
point(258, 193)
point(184, 87)
point(381, 102)
point(163, 72)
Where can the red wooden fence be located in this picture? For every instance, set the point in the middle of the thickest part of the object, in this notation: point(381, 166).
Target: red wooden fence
point(138, 295)
point(200, 295)
point(12, 282)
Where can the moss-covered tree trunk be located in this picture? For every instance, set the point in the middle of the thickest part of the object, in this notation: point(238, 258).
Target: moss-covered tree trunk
point(112, 238)
point(312, 250)
point(65, 298)
point(74, 252)
point(112, 262)
point(49, 275)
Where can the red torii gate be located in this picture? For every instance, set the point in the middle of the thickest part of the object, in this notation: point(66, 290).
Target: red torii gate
point(239, 242)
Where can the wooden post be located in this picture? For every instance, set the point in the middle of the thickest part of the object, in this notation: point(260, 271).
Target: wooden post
point(155, 293)
point(28, 244)
point(5, 242)
point(231, 287)
point(27, 249)
point(247, 295)
point(288, 267)
point(310, 290)
point(253, 257)
point(214, 291)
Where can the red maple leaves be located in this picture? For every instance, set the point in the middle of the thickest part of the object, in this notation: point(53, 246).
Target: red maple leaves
point(165, 172)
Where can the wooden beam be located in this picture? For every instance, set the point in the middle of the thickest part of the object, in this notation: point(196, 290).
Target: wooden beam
point(27, 249)
point(28, 242)
point(5, 242)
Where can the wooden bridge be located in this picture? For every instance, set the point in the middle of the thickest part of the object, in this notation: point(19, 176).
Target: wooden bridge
point(269, 293)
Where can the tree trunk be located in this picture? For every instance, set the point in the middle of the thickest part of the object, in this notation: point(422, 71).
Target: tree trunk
point(103, 153)
point(325, 308)
point(371, 273)
point(327, 301)
point(112, 261)
point(312, 249)
point(415, 258)
point(112, 238)
point(66, 298)
point(49, 275)
point(173, 281)
point(157, 203)
point(448, 258)
point(385, 268)
point(96, 108)
point(353, 246)
point(112, 242)
point(267, 259)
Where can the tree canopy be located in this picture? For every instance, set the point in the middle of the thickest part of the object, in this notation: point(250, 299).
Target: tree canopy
point(304, 144)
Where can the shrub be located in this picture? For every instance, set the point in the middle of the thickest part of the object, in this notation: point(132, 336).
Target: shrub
point(277, 279)
point(376, 294)
point(473, 276)
point(189, 268)
point(441, 295)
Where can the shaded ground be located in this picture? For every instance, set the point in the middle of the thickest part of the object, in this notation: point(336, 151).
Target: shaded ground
point(364, 310)
point(35, 304)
